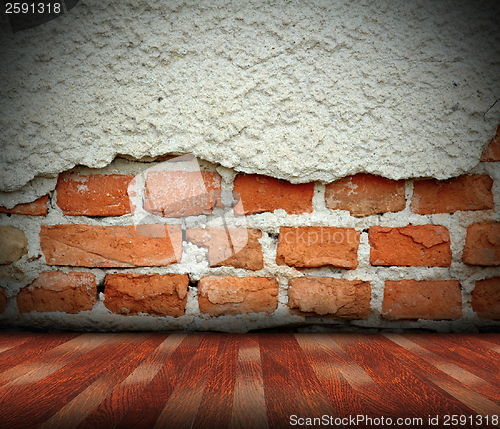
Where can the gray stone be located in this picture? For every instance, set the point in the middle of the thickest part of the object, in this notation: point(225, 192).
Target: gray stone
point(13, 244)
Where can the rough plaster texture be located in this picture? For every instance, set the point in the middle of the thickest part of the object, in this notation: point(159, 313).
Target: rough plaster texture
point(299, 90)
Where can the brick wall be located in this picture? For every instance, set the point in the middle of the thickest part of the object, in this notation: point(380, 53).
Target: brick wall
point(141, 246)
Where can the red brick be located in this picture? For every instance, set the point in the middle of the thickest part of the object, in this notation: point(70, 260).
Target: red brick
point(111, 246)
point(94, 195)
point(56, 291)
point(219, 296)
point(234, 247)
point(35, 208)
point(486, 299)
point(412, 245)
point(308, 247)
point(412, 299)
point(449, 196)
point(258, 194)
point(343, 299)
point(492, 152)
point(366, 194)
point(158, 294)
point(3, 300)
point(482, 244)
point(182, 193)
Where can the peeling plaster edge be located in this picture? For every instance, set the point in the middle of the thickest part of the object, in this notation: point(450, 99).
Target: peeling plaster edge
point(43, 184)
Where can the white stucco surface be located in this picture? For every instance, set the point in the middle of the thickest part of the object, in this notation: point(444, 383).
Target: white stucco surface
point(301, 90)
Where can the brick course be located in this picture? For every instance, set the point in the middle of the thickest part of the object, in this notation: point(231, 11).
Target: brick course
point(235, 254)
point(366, 194)
point(412, 299)
point(160, 295)
point(57, 291)
point(449, 196)
point(258, 194)
point(412, 245)
point(482, 244)
point(219, 295)
point(93, 195)
point(486, 298)
point(309, 247)
point(234, 247)
point(111, 246)
point(343, 299)
point(181, 193)
point(35, 208)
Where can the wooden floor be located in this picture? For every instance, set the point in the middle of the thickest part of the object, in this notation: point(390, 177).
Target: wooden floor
point(249, 381)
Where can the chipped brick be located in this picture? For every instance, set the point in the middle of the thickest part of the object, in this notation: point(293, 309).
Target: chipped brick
point(412, 299)
point(366, 194)
point(325, 296)
point(486, 298)
point(309, 247)
point(57, 291)
point(111, 246)
point(35, 208)
point(182, 193)
point(258, 194)
point(158, 294)
point(412, 245)
point(448, 196)
point(93, 195)
point(492, 152)
point(219, 295)
point(234, 247)
point(482, 244)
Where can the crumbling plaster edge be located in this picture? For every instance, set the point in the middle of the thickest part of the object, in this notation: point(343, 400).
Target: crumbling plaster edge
point(44, 184)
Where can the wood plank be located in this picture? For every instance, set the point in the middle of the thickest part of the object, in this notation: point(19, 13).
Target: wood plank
point(30, 350)
point(484, 357)
point(345, 399)
point(492, 338)
point(483, 366)
point(365, 386)
point(312, 399)
point(396, 380)
point(244, 381)
point(61, 386)
point(181, 409)
point(471, 349)
point(112, 409)
point(473, 402)
point(217, 401)
point(249, 404)
point(9, 341)
point(145, 410)
point(420, 365)
point(489, 345)
point(80, 407)
point(281, 401)
point(52, 360)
